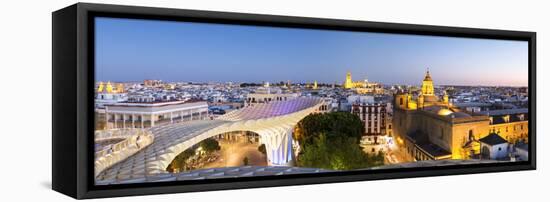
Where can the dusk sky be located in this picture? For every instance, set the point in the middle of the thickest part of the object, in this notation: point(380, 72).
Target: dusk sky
point(134, 50)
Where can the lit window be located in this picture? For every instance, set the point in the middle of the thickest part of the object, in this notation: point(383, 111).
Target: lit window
point(506, 118)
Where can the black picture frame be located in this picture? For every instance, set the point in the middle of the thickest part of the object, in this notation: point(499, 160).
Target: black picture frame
point(72, 100)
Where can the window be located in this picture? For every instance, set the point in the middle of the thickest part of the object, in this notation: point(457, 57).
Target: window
point(400, 101)
point(506, 118)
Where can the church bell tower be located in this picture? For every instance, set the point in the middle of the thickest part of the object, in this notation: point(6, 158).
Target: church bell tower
point(427, 85)
point(348, 83)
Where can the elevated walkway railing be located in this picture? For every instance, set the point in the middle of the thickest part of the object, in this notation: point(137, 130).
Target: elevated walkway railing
point(135, 140)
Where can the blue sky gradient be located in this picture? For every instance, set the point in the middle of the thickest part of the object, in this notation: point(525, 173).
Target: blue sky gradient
point(134, 50)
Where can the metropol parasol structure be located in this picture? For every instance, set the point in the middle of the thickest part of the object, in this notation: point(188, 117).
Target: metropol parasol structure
point(145, 154)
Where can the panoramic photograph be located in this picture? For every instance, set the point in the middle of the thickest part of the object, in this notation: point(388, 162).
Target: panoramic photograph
point(177, 101)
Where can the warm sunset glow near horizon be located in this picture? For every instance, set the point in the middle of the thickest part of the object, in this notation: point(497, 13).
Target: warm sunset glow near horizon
point(135, 50)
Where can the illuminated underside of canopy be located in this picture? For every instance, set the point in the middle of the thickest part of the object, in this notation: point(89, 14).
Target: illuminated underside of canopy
point(273, 122)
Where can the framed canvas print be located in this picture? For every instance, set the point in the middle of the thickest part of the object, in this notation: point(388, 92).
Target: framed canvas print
point(155, 100)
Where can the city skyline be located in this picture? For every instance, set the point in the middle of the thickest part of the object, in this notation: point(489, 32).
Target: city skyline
point(135, 50)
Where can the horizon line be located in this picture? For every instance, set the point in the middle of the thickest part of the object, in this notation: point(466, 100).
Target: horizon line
point(339, 83)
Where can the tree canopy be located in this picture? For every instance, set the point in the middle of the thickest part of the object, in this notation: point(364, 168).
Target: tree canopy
point(262, 149)
point(179, 160)
point(331, 141)
point(333, 125)
point(210, 145)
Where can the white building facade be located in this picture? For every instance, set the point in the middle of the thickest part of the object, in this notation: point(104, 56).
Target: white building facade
point(144, 115)
point(494, 147)
point(374, 116)
point(254, 98)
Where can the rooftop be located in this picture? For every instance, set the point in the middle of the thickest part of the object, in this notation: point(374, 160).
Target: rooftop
point(472, 104)
point(523, 146)
point(505, 112)
point(493, 139)
point(434, 150)
point(446, 112)
point(155, 103)
point(272, 109)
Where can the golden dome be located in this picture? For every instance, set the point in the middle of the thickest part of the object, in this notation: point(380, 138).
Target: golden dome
point(444, 112)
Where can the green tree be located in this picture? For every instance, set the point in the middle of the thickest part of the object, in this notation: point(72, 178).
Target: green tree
point(209, 145)
point(262, 149)
point(316, 155)
point(180, 159)
point(333, 125)
point(331, 141)
point(336, 154)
